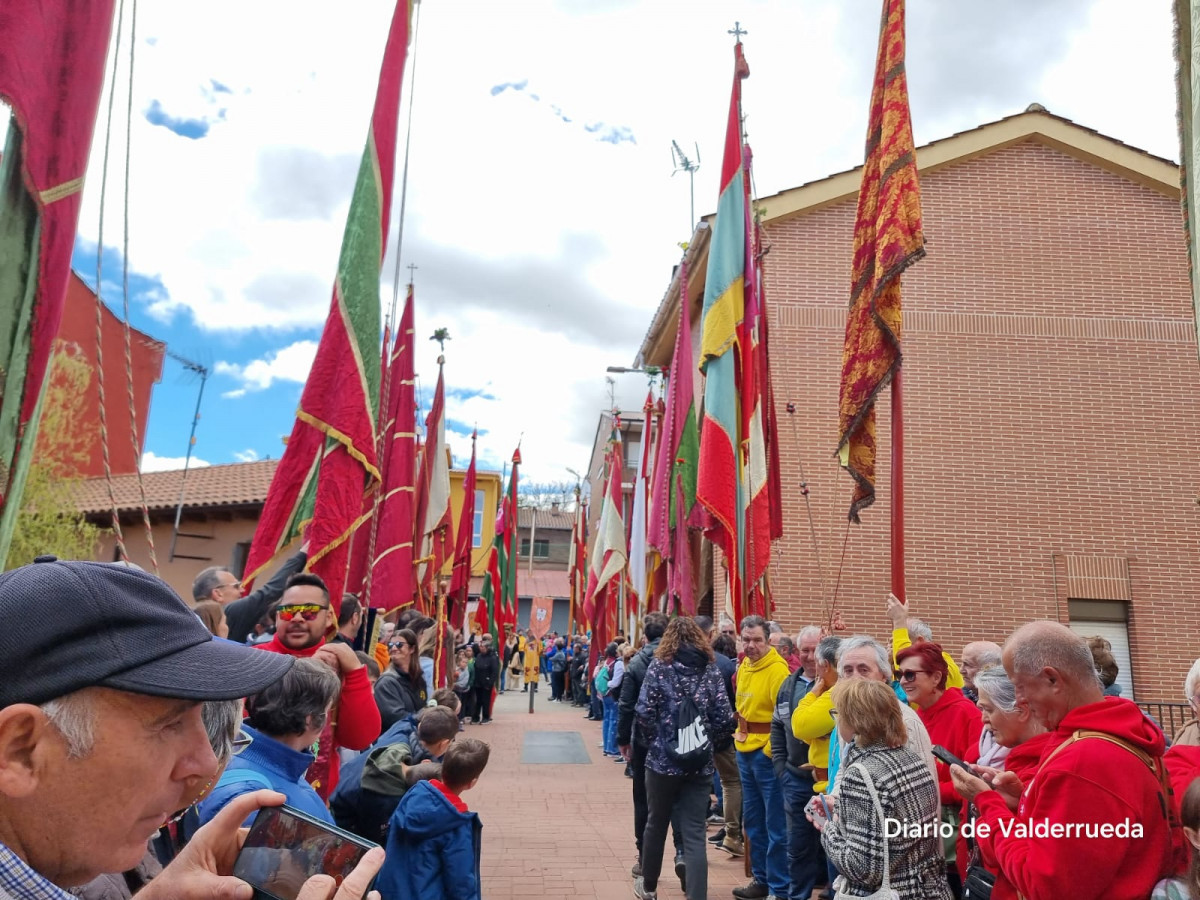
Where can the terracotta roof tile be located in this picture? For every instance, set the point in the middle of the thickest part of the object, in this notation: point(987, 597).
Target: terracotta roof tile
point(551, 519)
point(235, 484)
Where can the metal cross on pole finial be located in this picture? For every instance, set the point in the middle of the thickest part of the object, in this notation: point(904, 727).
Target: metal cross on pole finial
point(412, 267)
point(737, 31)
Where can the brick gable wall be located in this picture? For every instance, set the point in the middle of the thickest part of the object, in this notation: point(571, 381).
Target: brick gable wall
point(1052, 409)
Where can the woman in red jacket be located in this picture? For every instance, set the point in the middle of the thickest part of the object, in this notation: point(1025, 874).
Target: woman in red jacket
point(1013, 727)
point(953, 722)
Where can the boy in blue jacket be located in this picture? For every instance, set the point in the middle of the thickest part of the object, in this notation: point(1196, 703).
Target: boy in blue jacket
point(433, 842)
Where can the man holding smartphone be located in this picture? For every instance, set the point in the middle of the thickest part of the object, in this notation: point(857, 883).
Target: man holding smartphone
point(101, 739)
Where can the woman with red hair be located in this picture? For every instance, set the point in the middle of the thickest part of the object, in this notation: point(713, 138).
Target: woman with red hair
point(953, 722)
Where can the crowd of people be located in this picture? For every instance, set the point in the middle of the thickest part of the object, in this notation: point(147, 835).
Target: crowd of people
point(133, 750)
point(852, 767)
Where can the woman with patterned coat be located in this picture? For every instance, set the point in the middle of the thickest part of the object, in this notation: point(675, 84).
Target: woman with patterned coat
point(855, 840)
point(683, 666)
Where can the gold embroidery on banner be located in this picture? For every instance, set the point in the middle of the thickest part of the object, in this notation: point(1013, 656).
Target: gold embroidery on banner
point(66, 189)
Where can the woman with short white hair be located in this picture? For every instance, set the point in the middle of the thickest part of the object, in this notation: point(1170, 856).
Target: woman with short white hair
point(1189, 734)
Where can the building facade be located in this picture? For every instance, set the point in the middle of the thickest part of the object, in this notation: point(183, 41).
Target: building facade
point(1052, 399)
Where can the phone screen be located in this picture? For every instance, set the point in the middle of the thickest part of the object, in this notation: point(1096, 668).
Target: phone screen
point(282, 851)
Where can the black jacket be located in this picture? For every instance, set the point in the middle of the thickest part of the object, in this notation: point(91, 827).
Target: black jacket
point(243, 614)
point(788, 752)
point(631, 688)
point(398, 696)
point(487, 670)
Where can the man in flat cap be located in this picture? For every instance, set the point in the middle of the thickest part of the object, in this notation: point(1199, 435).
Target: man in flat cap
point(101, 739)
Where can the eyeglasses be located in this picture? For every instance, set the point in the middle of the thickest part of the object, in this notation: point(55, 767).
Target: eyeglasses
point(833, 714)
point(910, 674)
point(243, 740)
point(236, 585)
point(307, 611)
point(396, 645)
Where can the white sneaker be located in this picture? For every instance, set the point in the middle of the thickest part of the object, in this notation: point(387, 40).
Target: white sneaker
point(639, 890)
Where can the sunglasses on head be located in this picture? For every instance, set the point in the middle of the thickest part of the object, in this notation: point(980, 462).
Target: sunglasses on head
point(307, 611)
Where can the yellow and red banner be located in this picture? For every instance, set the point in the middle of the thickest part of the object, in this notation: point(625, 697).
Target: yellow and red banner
point(887, 240)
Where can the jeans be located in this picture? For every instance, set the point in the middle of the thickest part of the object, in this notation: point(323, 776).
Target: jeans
point(764, 822)
point(682, 798)
point(610, 725)
point(806, 859)
point(731, 790)
point(641, 808)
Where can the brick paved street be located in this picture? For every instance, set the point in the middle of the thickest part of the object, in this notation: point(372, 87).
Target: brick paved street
point(562, 830)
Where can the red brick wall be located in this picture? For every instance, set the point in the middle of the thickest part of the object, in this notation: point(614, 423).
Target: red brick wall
point(1052, 409)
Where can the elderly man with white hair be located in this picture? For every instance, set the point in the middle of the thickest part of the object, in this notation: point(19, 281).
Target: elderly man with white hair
point(102, 738)
point(1093, 821)
point(977, 656)
point(861, 656)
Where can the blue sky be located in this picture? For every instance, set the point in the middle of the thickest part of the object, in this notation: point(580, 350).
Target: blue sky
point(542, 215)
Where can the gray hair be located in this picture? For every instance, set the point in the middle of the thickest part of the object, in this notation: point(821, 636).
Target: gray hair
point(808, 631)
point(857, 642)
point(917, 628)
point(297, 701)
point(206, 581)
point(775, 627)
point(827, 650)
point(1191, 684)
point(74, 716)
point(222, 721)
point(1037, 645)
point(994, 682)
point(755, 622)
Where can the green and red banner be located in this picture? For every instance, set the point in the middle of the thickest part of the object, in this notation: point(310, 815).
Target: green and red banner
point(51, 75)
point(331, 458)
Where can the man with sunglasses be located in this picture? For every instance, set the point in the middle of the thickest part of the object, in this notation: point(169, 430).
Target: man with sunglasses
point(304, 621)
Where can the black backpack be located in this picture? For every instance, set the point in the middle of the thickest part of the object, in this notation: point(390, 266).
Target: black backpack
point(689, 747)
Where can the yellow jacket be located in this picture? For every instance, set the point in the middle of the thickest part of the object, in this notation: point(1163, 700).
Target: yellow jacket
point(757, 688)
point(900, 640)
point(812, 723)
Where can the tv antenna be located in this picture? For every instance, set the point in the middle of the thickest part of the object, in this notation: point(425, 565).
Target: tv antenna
point(683, 164)
point(203, 371)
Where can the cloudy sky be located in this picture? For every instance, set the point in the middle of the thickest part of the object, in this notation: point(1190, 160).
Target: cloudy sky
point(542, 214)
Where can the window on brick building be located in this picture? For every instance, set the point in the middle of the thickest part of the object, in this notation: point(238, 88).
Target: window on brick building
point(1110, 620)
point(237, 561)
point(541, 549)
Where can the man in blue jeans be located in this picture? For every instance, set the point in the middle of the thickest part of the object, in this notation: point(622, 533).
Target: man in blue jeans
point(759, 679)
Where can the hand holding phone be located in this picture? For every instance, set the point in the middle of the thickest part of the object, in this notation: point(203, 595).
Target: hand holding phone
point(941, 753)
point(817, 812)
point(286, 847)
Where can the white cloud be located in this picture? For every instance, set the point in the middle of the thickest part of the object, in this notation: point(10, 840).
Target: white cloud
point(247, 455)
point(543, 249)
point(290, 363)
point(152, 462)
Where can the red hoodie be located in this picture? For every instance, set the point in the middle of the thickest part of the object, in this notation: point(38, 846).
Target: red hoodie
point(1022, 760)
point(1089, 785)
point(1183, 765)
point(954, 722)
point(355, 714)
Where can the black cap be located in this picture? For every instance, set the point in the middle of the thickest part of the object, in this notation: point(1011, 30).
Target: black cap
point(71, 625)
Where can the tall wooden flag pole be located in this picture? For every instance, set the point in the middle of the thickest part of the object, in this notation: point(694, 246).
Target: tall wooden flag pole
point(887, 240)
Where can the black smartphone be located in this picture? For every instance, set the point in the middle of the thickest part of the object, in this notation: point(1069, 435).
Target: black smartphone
point(949, 758)
point(286, 847)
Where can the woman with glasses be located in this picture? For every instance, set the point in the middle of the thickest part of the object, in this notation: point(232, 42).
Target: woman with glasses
point(881, 779)
point(401, 690)
point(953, 722)
point(283, 721)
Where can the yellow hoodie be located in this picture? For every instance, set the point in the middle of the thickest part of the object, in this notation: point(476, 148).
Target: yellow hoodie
point(757, 688)
point(813, 724)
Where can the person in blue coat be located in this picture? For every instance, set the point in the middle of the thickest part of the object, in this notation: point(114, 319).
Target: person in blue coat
point(284, 719)
point(433, 843)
